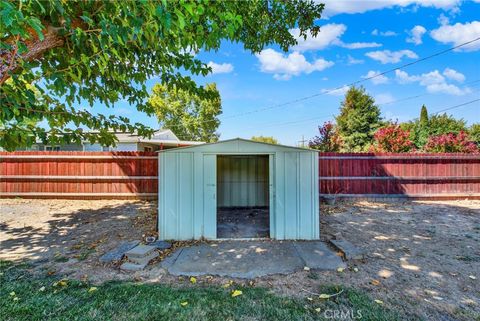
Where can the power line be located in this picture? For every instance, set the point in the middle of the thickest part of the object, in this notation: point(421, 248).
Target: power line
point(323, 92)
point(269, 124)
point(327, 91)
point(454, 107)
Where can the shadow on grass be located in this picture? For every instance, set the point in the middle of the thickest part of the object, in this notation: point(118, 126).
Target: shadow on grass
point(28, 297)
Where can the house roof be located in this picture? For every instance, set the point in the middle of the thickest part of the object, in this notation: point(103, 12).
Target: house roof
point(245, 142)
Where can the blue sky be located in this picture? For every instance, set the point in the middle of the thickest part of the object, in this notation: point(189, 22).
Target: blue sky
point(357, 39)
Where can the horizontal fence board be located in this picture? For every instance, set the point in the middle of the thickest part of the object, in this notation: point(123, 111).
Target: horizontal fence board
point(412, 175)
point(79, 174)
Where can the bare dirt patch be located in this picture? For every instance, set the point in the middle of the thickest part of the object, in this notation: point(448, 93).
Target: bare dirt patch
point(423, 257)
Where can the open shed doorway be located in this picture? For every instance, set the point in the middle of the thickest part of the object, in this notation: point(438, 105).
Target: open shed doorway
point(243, 196)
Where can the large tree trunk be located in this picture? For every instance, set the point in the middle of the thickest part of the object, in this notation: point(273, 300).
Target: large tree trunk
point(36, 49)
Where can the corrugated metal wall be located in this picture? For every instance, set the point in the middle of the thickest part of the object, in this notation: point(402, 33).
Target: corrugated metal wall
point(188, 188)
point(242, 180)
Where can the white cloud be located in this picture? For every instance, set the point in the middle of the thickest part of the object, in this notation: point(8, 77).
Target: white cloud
point(336, 92)
point(220, 68)
point(387, 33)
point(387, 56)
point(360, 45)
point(329, 36)
point(443, 19)
point(454, 75)
point(378, 79)
point(433, 81)
point(459, 33)
point(285, 66)
point(416, 35)
point(353, 61)
point(333, 7)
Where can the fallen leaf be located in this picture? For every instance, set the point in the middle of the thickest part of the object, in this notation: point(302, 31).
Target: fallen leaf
point(41, 289)
point(310, 299)
point(236, 293)
point(375, 282)
point(184, 303)
point(379, 301)
point(62, 283)
point(324, 296)
point(193, 280)
point(318, 310)
point(340, 269)
point(228, 284)
point(472, 277)
point(92, 289)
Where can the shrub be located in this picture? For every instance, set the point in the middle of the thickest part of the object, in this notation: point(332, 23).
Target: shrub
point(451, 143)
point(328, 139)
point(392, 139)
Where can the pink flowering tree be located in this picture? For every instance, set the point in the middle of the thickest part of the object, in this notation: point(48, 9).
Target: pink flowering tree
point(451, 143)
point(392, 139)
point(328, 139)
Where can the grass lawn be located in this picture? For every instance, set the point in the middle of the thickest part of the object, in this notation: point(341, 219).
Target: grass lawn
point(27, 297)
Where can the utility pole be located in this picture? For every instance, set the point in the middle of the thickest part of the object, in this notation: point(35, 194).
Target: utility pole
point(302, 142)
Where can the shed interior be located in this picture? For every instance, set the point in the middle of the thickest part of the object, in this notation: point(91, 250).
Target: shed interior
point(243, 196)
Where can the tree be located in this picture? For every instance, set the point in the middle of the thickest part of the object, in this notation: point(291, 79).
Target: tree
point(265, 139)
point(328, 139)
point(435, 125)
point(188, 115)
point(358, 120)
point(392, 139)
point(77, 53)
point(474, 133)
point(423, 116)
point(451, 143)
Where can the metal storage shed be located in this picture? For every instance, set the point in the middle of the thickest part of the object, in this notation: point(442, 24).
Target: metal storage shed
point(196, 182)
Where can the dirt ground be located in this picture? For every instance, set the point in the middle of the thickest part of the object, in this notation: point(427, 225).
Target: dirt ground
point(423, 257)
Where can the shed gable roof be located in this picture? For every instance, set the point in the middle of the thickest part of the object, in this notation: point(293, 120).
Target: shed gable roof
point(237, 145)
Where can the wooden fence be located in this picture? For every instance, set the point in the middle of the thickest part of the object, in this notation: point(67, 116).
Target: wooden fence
point(413, 175)
point(85, 175)
point(89, 175)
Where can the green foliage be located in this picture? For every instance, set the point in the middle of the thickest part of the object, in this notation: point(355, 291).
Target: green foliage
point(424, 116)
point(81, 53)
point(474, 133)
point(358, 120)
point(265, 139)
point(436, 125)
point(444, 124)
point(189, 115)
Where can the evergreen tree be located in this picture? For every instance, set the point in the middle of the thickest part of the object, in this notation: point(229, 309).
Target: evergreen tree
point(422, 130)
point(358, 120)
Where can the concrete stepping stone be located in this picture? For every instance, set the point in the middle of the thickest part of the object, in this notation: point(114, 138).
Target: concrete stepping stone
point(140, 251)
point(143, 260)
point(161, 245)
point(350, 251)
point(132, 267)
point(317, 255)
point(117, 253)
